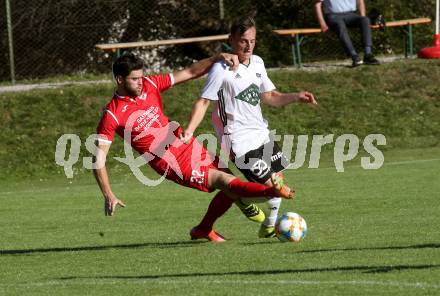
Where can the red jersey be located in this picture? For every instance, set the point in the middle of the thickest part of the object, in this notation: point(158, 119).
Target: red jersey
point(152, 134)
point(137, 115)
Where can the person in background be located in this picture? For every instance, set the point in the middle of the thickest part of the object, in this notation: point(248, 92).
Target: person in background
point(237, 118)
point(338, 16)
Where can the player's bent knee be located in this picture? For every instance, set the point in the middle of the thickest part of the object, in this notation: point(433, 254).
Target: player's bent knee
point(219, 180)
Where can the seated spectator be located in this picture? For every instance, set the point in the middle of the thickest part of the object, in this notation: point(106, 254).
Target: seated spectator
point(338, 15)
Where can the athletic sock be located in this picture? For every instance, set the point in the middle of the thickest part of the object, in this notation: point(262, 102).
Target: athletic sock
point(250, 189)
point(273, 205)
point(218, 206)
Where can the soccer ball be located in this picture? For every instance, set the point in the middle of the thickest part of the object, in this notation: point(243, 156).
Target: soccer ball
point(290, 227)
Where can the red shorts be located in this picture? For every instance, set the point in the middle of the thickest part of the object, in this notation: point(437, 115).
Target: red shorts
point(187, 165)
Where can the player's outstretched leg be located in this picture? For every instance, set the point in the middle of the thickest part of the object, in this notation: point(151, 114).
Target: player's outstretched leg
point(232, 188)
point(251, 211)
point(250, 189)
point(212, 235)
point(283, 190)
point(218, 206)
point(267, 228)
point(247, 207)
point(236, 188)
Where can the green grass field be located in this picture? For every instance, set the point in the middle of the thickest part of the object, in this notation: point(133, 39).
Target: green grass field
point(371, 232)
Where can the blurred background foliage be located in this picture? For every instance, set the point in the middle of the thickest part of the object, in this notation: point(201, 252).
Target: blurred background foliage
point(58, 37)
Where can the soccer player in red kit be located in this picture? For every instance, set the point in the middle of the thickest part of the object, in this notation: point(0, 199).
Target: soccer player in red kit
point(136, 114)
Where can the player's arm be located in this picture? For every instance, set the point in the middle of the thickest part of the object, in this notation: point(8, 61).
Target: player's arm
point(361, 7)
point(320, 16)
point(277, 99)
point(100, 172)
point(201, 67)
point(197, 114)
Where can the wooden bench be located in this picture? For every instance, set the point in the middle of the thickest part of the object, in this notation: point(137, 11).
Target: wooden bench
point(296, 34)
point(116, 47)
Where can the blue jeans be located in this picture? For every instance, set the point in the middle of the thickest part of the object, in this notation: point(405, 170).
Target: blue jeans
point(340, 22)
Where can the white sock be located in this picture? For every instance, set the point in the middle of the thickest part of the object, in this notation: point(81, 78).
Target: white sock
point(273, 205)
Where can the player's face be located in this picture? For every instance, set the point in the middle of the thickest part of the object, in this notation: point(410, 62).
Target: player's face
point(243, 45)
point(132, 84)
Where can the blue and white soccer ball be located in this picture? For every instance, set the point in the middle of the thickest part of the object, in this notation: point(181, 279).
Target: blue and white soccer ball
point(290, 227)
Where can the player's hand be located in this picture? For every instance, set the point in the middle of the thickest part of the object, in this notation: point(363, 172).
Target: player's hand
point(306, 97)
point(324, 28)
point(231, 60)
point(110, 204)
point(186, 137)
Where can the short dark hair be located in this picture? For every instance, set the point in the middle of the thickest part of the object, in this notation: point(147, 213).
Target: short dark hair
point(242, 24)
point(127, 63)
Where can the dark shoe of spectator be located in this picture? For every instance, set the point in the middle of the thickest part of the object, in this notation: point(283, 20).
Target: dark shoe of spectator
point(356, 61)
point(369, 59)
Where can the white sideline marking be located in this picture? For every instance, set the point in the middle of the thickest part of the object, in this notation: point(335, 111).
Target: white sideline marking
point(417, 285)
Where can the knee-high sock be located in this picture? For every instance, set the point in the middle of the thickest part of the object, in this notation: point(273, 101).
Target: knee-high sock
point(218, 206)
point(273, 205)
point(250, 189)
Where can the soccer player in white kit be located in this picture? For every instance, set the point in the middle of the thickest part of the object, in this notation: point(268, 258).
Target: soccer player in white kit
point(237, 117)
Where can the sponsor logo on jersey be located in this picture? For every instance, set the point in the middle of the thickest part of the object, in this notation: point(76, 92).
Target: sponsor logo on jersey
point(260, 168)
point(125, 108)
point(143, 96)
point(258, 75)
point(276, 156)
point(250, 95)
point(237, 76)
point(146, 119)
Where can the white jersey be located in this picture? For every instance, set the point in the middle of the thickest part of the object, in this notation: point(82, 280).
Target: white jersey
point(237, 114)
point(339, 6)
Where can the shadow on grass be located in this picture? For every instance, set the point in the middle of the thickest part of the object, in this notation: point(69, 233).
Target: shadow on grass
point(421, 246)
point(363, 269)
point(184, 244)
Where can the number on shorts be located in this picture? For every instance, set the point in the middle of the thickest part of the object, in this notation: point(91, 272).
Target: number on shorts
point(197, 177)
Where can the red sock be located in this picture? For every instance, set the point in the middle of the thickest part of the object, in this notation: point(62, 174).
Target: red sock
point(250, 189)
point(218, 206)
